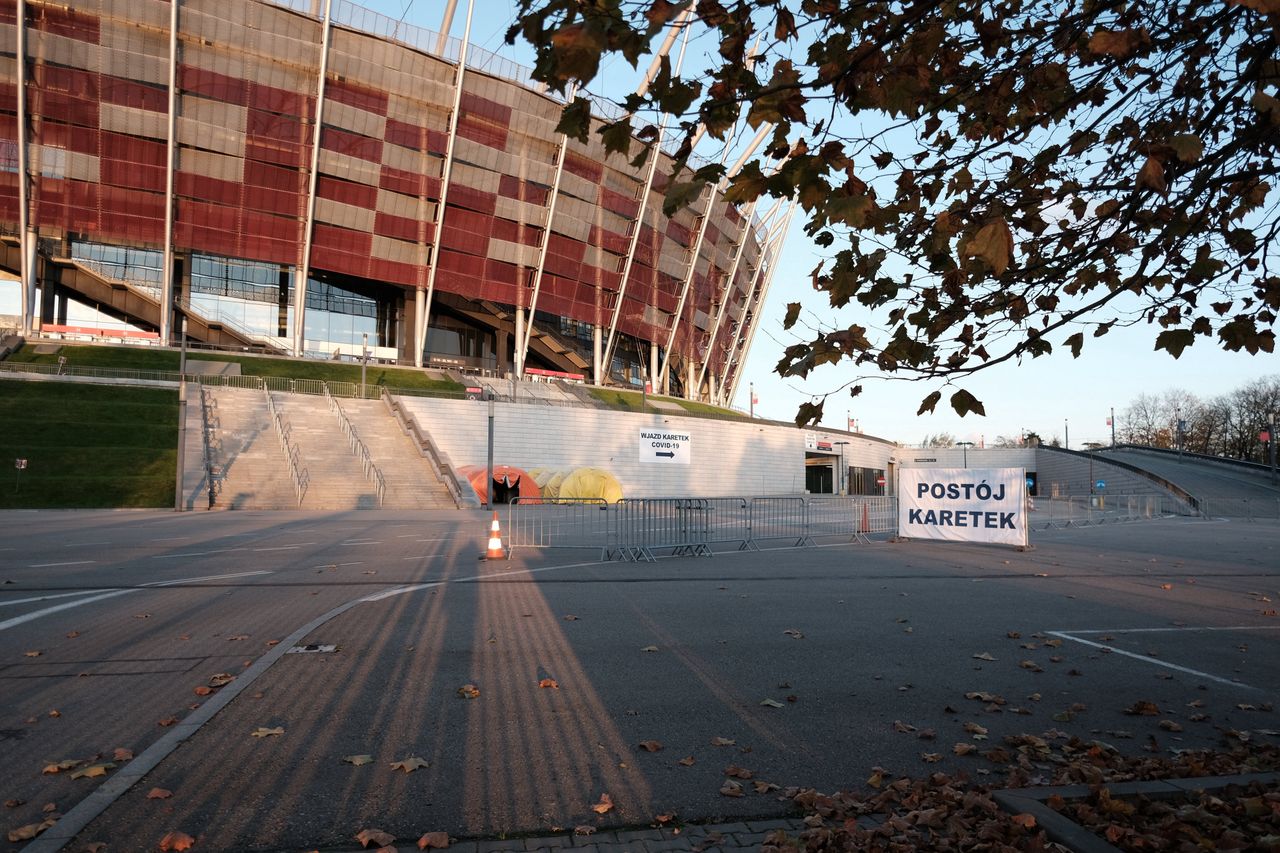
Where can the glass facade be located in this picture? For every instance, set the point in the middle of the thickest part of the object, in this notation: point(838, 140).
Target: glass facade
point(139, 267)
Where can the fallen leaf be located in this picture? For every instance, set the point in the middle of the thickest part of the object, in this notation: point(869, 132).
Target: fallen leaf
point(55, 713)
point(794, 634)
point(1053, 644)
point(722, 741)
point(665, 817)
point(738, 772)
point(771, 703)
point(468, 691)
point(159, 794)
point(926, 734)
point(1014, 635)
point(31, 830)
point(763, 787)
point(931, 757)
point(549, 683)
point(122, 754)
point(95, 847)
point(1166, 586)
point(33, 654)
point(876, 779)
point(410, 764)
point(221, 679)
point(731, 788)
point(202, 690)
point(1025, 821)
point(605, 804)
point(374, 836)
point(167, 721)
point(176, 841)
point(570, 618)
point(59, 766)
point(986, 697)
point(1031, 665)
point(235, 637)
point(974, 729)
point(905, 728)
point(357, 760)
point(584, 830)
point(71, 635)
point(984, 656)
point(964, 748)
point(1143, 708)
point(260, 731)
point(687, 761)
point(651, 746)
point(93, 770)
point(13, 804)
point(437, 840)
point(1170, 726)
point(649, 649)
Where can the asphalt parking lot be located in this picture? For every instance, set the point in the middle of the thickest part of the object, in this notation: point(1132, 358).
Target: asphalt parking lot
point(805, 667)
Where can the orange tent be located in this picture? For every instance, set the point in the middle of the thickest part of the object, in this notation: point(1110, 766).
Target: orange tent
point(512, 481)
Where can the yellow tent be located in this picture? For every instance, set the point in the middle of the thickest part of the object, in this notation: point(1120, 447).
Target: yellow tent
point(590, 483)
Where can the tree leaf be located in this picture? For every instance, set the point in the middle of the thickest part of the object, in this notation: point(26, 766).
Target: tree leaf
point(93, 771)
point(357, 760)
point(434, 840)
point(374, 836)
point(575, 120)
point(929, 402)
point(176, 841)
point(159, 794)
point(605, 804)
point(266, 732)
point(964, 403)
point(993, 244)
point(1151, 176)
point(469, 691)
point(410, 764)
point(1188, 147)
point(1174, 341)
point(651, 745)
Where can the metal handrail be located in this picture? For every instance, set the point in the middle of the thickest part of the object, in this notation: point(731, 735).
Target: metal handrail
point(440, 464)
point(358, 447)
point(297, 469)
point(222, 320)
point(206, 434)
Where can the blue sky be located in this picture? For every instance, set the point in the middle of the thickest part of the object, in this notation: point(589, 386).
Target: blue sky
point(1039, 394)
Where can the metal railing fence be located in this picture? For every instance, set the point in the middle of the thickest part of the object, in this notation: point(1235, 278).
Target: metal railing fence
point(297, 468)
point(371, 471)
point(1249, 509)
point(1083, 510)
point(638, 528)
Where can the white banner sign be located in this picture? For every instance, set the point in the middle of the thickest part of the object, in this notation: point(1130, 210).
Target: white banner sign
point(665, 447)
point(963, 504)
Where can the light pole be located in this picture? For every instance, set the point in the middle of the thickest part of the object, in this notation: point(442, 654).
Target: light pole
point(364, 362)
point(840, 489)
point(965, 445)
point(1066, 434)
point(1274, 417)
point(751, 404)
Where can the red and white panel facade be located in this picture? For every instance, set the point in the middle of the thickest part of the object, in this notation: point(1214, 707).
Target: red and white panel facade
point(105, 81)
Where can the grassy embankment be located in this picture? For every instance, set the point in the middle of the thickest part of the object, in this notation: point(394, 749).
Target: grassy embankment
point(630, 401)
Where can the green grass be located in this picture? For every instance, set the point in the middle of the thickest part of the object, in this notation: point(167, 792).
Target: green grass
point(163, 360)
point(87, 445)
point(631, 401)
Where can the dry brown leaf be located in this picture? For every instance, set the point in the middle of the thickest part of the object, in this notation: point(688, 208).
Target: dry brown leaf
point(570, 618)
point(176, 841)
point(28, 832)
point(59, 766)
point(1170, 726)
point(550, 683)
point(649, 649)
point(794, 634)
point(1143, 708)
point(221, 679)
point(665, 817)
point(261, 731)
point(410, 764)
point(974, 729)
point(159, 794)
point(122, 754)
point(55, 713)
point(1025, 821)
point(202, 690)
point(468, 691)
point(731, 788)
point(876, 779)
point(33, 654)
point(905, 728)
point(738, 772)
point(964, 748)
point(235, 637)
point(763, 787)
point(1151, 177)
point(14, 803)
point(984, 656)
point(722, 741)
point(436, 840)
point(605, 804)
point(374, 836)
point(357, 760)
point(584, 829)
point(931, 757)
point(651, 745)
point(687, 761)
point(93, 771)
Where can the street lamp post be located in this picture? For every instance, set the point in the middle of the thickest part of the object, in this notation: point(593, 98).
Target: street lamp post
point(965, 445)
point(364, 362)
point(1066, 434)
point(840, 480)
point(1274, 417)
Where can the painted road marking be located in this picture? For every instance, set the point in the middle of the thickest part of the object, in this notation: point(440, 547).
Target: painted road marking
point(36, 614)
point(84, 544)
point(361, 542)
point(1180, 628)
point(1148, 659)
point(195, 553)
point(278, 548)
point(169, 538)
point(51, 565)
point(48, 597)
point(337, 565)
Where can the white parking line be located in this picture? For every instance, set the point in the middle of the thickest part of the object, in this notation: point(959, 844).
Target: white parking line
point(1180, 628)
point(50, 565)
point(49, 597)
point(279, 548)
point(1148, 659)
point(36, 614)
point(84, 544)
point(195, 553)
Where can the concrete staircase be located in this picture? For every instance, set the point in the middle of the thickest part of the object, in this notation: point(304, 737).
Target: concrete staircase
point(337, 479)
point(411, 481)
point(247, 459)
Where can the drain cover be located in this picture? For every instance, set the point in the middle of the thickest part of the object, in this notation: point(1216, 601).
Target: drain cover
point(312, 649)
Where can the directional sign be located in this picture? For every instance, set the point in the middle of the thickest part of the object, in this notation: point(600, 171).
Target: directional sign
point(1101, 484)
point(665, 447)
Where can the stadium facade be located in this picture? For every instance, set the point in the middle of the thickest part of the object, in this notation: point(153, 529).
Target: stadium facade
point(175, 164)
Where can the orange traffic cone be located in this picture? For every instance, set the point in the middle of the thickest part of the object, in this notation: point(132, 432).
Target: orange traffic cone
point(495, 551)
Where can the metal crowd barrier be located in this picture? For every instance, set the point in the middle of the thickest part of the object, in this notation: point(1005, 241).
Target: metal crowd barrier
point(1086, 510)
point(637, 528)
point(1249, 509)
point(558, 523)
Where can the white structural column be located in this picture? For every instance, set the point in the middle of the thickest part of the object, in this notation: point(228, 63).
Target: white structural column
point(446, 24)
point(775, 249)
point(677, 25)
point(26, 241)
point(446, 173)
point(304, 267)
point(728, 289)
point(765, 130)
point(171, 152)
point(524, 334)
